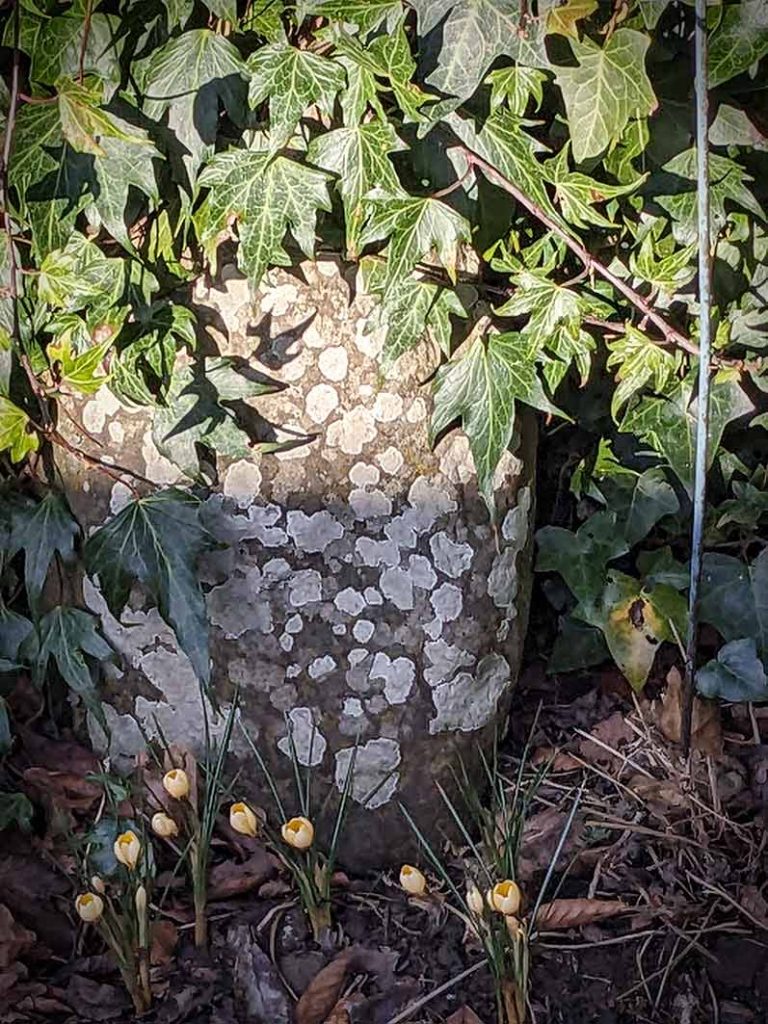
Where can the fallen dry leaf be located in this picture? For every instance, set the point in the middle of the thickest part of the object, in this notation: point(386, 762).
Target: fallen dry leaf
point(323, 992)
point(557, 760)
point(164, 935)
point(68, 790)
point(661, 795)
point(560, 914)
point(14, 939)
point(614, 732)
point(755, 903)
point(541, 835)
point(463, 1016)
point(232, 879)
point(706, 731)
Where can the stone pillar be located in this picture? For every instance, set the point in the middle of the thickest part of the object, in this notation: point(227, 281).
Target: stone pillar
point(360, 589)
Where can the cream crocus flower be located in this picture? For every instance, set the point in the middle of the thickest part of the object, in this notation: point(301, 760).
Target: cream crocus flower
point(140, 901)
point(475, 899)
point(298, 833)
point(176, 783)
point(504, 898)
point(243, 820)
point(97, 885)
point(128, 849)
point(412, 880)
point(164, 826)
point(89, 907)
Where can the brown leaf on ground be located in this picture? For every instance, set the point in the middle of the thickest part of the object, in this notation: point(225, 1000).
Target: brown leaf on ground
point(164, 936)
point(755, 904)
point(561, 914)
point(14, 938)
point(541, 835)
point(463, 1016)
point(232, 879)
point(558, 760)
point(39, 750)
point(324, 990)
point(35, 895)
point(663, 796)
point(68, 790)
point(614, 732)
point(94, 1001)
point(706, 731)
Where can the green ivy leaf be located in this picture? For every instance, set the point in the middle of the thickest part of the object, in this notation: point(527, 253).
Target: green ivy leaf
point(147, 352)
point(41, 531)
point(577, 194)
point(608, 87)
point(668, 424)
point(409, 310)
point(189, 77)
point(474, 34)
point(736, 675)
point(14, 629)
point(480, 388)
point(55, 46)
point(17, 434)
point(639, 501)
point(80, 276)
point(732, 127)
point(734, 598)
point(662, 265)
point(514, 87)
point(727, 184)
point(359, 155)
point(266, 196)
point(67, 635)
point(366, 15)
point(157, 541)
point(740, 41)
point(293, 80)
point(641, 363)
point(416, 226)
point(563, 19)
point(581, 558)
point(81, 372)
point(84, 123)
point(121, 166)
point(15, 809)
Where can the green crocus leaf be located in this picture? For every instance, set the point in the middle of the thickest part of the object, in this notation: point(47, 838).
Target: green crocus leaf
point(608, 86)
point(157, 541)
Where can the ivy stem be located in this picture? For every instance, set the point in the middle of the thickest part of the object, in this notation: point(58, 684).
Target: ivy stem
point(111, 469)
point(671, 335)
point(84, 42)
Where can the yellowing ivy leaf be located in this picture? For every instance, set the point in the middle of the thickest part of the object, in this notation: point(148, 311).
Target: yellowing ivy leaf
point(293, 80)
point(563, 20)
point(78, 371)
point(607, 87)
point(83, 122)
point(577, 194)
point(265, 196)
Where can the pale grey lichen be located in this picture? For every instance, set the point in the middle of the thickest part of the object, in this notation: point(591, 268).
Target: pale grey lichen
point(372, 596)
point(362, 630)
point(377, 552)
point(320, 667)
point(445, 659)
point(370, 504)
point(334, 363)
point(322, 399)
point(375, 779)
point(308, 742)
point(398, 676)
point(305, 587)
point(396, 585)
point(450, 558)
point(314, 533)
point(421, 572)
point(242, 482)
point(350, 601)
point(447, 602)
point(467, 703)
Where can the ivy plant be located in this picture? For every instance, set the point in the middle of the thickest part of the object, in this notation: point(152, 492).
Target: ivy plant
point(546, 145)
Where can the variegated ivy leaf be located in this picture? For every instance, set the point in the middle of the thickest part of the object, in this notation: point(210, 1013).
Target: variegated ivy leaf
point(190, 77)
point(17, 434)
point(366, 15)
point(473, 33)
point(123, 165)
point(515, 87)
point(359, 155)
point(408, 310)
point(292, 80)
point(504, 143)
point(564, 19)
point(55, 45)
point(740, 40)
point(143, 367)
point(266, 196)
point(668, 424)
point(727, 184)
point(416, 227)
point(82, 371)
point(665, 267)
point(608, 86)
point(641, 363)
point(80, 276)
point(84, 123)
point(732, 127)
point(480, 388)
point(577, 194)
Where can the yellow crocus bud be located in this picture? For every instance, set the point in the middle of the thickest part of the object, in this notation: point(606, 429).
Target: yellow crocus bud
point(176, 783)
point(128, 849)
point(412, 880)
point(98, 885)
point(89, 907)
point(140, 901)
point(298, 833)
point(243, 820)
point(513, 926)
point(504, 898)
point(164, 826)
point(475, 899)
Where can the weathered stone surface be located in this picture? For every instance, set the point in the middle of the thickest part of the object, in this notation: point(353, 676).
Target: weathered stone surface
point(360, 589)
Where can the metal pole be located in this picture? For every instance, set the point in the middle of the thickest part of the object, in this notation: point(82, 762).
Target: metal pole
point(705, 347)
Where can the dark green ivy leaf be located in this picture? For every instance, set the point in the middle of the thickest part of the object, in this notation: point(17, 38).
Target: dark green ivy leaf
point(157, 541)
point(581, 558)
point(67, 635)
point(737, 674)
point(734, 598)
point(41, 531)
